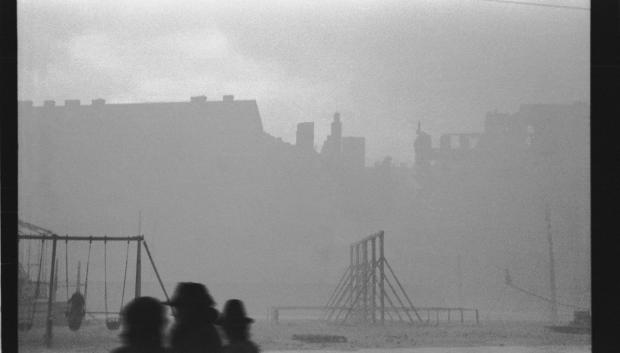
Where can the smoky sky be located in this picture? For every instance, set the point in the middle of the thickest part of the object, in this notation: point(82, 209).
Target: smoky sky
point(384, 65)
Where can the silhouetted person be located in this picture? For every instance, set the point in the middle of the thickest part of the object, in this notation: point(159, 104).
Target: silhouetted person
point(193, 330)
point(236, 326)
point(143, 321)
point(76, 311)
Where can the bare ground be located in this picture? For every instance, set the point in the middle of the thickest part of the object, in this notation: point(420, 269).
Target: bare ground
point(94, 337)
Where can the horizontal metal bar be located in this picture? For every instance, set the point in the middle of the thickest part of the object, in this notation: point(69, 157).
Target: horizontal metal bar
point(79, 238)
point(440, 309)
point(306, 307)
point(103, 312)
point(368, 238)
point(346, 308)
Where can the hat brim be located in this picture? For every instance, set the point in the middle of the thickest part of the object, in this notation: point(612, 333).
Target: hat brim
point(177, 303)
point(241, 321)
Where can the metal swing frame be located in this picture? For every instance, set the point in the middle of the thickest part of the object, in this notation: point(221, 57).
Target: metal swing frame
point(46, 235)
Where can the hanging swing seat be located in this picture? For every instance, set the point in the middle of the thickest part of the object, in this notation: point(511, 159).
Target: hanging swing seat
point(113, 324)
point(74, 320)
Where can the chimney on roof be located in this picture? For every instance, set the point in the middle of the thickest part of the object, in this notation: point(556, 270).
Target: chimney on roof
point(228, 98)
point(98, 102)
point(72, 103)
point(49, 103)
point(198, 99)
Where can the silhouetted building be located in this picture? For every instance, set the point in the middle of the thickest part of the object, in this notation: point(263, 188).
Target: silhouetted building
point(229, 116)
point(333, 144)
point(423, 150)
point(445, 143)
point(543, 129)
point(305, 136)
point(353, 152)
point(448, 152)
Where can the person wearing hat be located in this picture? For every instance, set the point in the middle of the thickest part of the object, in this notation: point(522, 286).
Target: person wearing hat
point(193, 330)
point(236, 326)
point(143, 321)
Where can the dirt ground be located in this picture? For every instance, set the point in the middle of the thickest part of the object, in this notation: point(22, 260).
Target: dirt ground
point(94, 337)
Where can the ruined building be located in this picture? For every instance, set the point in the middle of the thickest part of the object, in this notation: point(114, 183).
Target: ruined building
point(305, 136)
point(556, 132)
point(423, 148)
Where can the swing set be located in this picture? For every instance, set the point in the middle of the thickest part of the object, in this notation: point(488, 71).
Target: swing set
point(75, 307)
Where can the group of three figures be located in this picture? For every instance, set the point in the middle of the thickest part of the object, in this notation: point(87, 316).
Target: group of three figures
point(194, 329)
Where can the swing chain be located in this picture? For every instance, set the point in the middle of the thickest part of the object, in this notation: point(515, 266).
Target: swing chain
point(105, 276)
point(67, 266)
point(125, 275)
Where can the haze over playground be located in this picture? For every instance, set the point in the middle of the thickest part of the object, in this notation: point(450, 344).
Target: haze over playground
point(226, 203)
point(228, 198)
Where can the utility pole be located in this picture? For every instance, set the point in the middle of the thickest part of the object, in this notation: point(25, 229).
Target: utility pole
point(56, 280)
point(138, 289)
point(554, 305)
point(49, 320)
point(459, 274)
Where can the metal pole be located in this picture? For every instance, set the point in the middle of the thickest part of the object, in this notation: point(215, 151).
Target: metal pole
point(554, 306)
point(48, 328)
point(81, 238)
point(276, 317)
point(381, 278)
point(28, 267)
point(340, 288)
point(365, 277)
point(138, 270)
point(403, 290)
point(67, 267)
point(460, 279)
point(339, 306)
point(351, 275)
point(148, 252)
point(402, 305)
point(350, 309)
point(56, 281)
point(373, 304)
point(78, 285)
point(86, 276)
point(358, 274)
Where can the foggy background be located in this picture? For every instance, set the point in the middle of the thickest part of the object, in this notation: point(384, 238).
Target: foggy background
point(253, 219)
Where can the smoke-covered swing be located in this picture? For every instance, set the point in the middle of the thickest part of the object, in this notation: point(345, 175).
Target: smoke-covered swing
point(76, 305)
point(32, 292)
point(113, 322)
point(24, 278)
point(76, 309)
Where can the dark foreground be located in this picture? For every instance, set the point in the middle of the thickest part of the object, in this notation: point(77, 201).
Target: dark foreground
point(93, 337)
